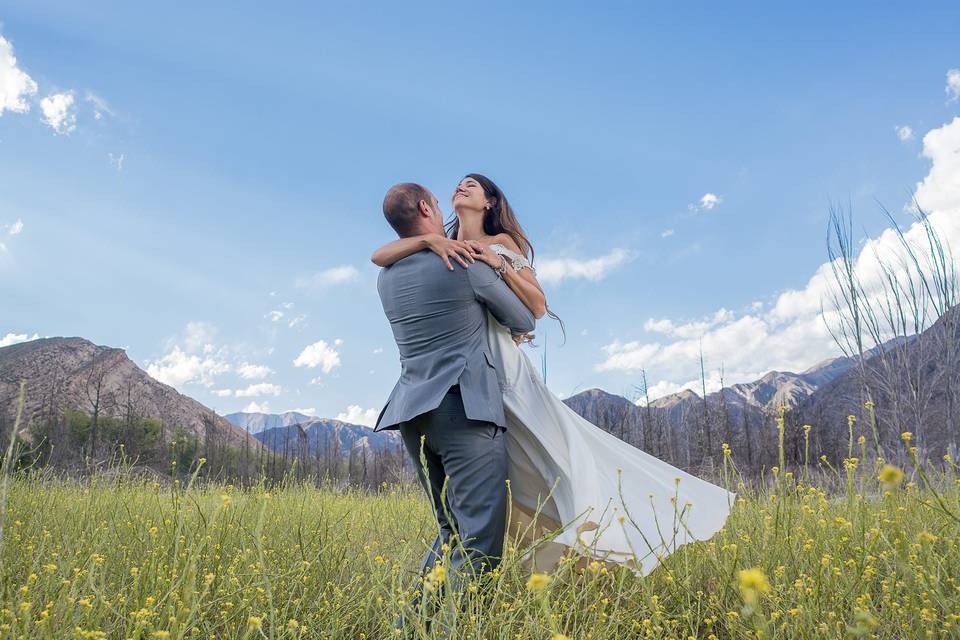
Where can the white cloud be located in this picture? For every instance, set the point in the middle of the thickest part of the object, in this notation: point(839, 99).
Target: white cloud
point(953, 84)
point(100, 106)
point(328, 277)
point(688, 329)
point(16, 338)
point(199, 336)
point(904, 132)
point(940, 189)
point(749, 343)
point(307, 412)
point(659, 390)
point(14, 229)
point(791, 334)
point(355, 414)
point(59, 113)
point(256, 407)
point(707, 201)
point(556, 270)
point(191, 358)
point(259, 389)
point(116, 161)
point(15, 85)
point(319, 354)
point(293, 322)
point(249, 371)
point(179, 368)
point(667, 233)
point(222, 393)
point(378, 350)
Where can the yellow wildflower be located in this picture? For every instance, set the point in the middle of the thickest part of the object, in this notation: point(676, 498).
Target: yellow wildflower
point(890, 476)
point(538, 582)
point(437, 575)
point(752, 583)
point(753, 578)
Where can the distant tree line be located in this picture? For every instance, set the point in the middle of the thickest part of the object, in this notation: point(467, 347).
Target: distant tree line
point(900, 325)
point(77, 441)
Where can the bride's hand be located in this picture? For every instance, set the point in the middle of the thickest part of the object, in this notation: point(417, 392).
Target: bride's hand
point(446, 248)
point(484, 253)
point(525, 337)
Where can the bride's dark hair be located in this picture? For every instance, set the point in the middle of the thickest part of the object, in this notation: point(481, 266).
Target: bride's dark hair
point(499, 218)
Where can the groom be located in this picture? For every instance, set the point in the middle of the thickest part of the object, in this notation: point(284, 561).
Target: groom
point(448, 391)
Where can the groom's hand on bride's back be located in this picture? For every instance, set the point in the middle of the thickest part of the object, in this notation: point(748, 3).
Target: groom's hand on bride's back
point(446, 248)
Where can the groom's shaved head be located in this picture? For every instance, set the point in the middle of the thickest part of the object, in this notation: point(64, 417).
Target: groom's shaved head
point(401, 207)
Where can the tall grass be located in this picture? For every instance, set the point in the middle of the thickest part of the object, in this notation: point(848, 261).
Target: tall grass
point(114, 556)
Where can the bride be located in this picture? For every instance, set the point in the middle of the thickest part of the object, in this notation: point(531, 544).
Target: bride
point(575, 489)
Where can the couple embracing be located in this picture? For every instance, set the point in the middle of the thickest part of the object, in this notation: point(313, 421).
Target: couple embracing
point(460, 300)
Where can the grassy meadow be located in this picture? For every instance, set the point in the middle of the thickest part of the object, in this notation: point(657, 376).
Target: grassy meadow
point(114, 556)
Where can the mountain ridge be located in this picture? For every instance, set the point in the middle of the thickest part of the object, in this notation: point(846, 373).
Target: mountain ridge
point(74, 373)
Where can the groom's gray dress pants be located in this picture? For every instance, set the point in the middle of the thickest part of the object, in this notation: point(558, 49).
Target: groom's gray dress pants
point(473, 454)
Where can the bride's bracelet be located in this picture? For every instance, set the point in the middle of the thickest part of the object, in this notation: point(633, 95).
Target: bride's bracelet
point(502, 269)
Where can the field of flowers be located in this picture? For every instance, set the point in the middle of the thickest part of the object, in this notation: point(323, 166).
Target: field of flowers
point(117, 557)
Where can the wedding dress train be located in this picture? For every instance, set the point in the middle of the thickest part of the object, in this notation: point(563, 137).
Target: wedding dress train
point(612, 502)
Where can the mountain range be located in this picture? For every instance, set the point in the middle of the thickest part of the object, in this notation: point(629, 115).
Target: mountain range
point(74, 373)
point(281, 432)
point(742, 403)
point(323, 435)
point(912, 382)
point(256, 422)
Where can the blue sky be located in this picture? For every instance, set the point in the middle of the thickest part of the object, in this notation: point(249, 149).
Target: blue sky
point(188, 182)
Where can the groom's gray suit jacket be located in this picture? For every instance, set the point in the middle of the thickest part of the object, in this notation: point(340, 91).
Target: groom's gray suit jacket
point(439, 321)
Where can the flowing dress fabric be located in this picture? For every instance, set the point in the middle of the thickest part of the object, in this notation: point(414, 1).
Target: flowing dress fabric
point(583, 479)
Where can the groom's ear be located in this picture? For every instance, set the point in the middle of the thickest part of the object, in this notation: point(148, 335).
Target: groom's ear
point(424, 209)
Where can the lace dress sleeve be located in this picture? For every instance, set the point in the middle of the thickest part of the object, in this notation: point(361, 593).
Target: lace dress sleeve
point(516, 260)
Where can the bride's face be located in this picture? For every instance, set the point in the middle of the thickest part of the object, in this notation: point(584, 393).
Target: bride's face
point(469, 197)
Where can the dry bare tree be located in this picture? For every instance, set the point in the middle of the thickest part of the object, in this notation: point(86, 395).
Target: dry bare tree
point(97, 398)
point(900, 327)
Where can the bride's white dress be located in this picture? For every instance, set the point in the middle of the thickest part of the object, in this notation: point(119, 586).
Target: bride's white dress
point(611, 501)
